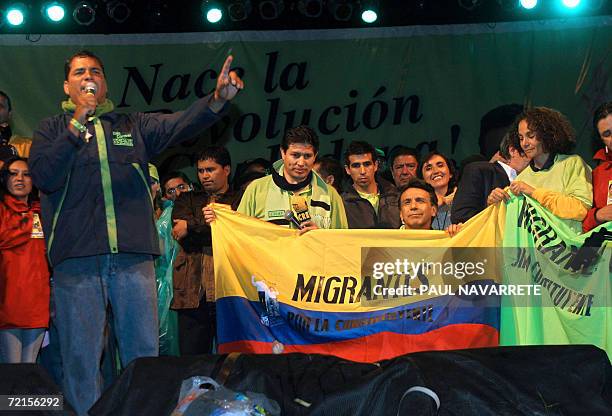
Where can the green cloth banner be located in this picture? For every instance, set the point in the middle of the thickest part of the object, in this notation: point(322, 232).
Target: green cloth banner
point(420, 86)
point(575, 306)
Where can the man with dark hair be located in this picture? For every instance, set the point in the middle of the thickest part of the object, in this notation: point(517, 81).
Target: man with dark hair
point(10, 144)
point(479, 179)
point(293, 188)
point(330, 170)
point(403, 164)
point(173, 184)
point(194, 280)
point(369, 202)
point(81, 54)
point(418, 205)
point(90, 164)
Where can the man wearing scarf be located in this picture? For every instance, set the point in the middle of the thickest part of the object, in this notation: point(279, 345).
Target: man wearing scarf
point(90, 164)
point(293, 187)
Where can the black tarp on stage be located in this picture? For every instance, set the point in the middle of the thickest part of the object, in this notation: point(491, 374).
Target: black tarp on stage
point(537, 380)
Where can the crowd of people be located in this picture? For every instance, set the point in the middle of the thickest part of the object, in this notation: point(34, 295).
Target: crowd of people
point(113, 234)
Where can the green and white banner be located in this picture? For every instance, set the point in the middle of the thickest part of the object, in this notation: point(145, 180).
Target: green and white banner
point(574, 272)
point(423, 86)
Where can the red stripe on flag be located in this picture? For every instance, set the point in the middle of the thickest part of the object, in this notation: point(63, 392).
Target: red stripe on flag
point(384, 345)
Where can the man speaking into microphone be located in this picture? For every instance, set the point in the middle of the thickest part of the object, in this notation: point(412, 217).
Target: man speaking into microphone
point(293, 194)
point(90, 164)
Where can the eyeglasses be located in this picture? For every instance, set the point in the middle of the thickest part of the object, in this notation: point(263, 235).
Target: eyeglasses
point(182, 187)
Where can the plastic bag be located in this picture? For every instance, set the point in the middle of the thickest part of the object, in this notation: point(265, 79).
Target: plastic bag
point(204, 396)
point(168, 320)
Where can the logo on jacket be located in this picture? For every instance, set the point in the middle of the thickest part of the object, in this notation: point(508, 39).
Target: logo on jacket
point(120, 139)
point(279, 213)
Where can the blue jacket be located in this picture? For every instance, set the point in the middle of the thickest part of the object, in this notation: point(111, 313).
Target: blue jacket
point(95, 195)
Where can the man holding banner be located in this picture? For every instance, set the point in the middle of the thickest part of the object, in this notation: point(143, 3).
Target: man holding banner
point(294, 195)
point(194, 280)
point(90, 164)
point(481, 179)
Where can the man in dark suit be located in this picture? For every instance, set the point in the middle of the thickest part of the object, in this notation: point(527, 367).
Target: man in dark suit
point(479, 179)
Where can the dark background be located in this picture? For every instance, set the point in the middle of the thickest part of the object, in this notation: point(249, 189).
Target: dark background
point(167, 16)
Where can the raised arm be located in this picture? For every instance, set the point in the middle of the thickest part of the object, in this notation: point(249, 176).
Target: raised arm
point(162, 130)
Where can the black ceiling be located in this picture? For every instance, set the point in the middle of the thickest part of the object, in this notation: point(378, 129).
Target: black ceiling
point(160, 16)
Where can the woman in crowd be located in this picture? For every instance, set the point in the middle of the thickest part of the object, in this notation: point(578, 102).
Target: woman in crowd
point(437, 171)
point(560, 182)
point(24, 274)
point(602, 175)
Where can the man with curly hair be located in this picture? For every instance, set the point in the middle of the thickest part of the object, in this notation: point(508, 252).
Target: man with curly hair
point(560, 182)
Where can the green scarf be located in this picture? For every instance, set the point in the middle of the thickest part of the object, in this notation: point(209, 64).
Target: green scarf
point(106, 107)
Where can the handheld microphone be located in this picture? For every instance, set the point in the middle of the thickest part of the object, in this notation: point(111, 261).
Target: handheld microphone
point(289, 216)
point(91, 88)
point(300, 207)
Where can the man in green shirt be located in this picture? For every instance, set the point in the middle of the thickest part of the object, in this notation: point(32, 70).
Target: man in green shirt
point(293, 188)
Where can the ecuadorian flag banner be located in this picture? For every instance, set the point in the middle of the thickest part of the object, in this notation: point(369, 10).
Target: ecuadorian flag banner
point(337, 292)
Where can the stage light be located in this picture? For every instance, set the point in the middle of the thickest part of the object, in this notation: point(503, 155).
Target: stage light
point(212, 11)
point(118, 11)
point(54, 11)
point(239, 10)
point(84, 13)
point(369, 11)
point(528, 4)
point(369, 16)
point(468, 4)
point(214, 15)
point(341, 10)
point(15, 14)
point(271, 9)
point(310, 8)
point(571, 3)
